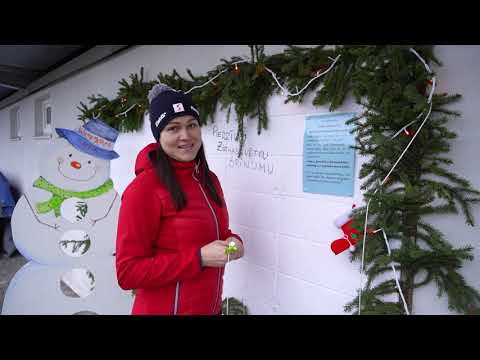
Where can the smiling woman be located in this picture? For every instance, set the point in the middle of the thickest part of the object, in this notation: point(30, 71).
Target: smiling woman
point(182, 138)
point(173, 227)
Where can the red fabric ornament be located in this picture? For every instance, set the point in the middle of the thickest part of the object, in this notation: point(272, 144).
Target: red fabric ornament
point(351, 234)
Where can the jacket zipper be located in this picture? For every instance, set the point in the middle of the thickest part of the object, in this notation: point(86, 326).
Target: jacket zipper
point(175, 304)
point(218, 238)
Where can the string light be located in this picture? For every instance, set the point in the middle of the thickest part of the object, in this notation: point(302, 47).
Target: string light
point(394, 271)
point(284, 90)
point(406, 126)
point(126, 111)
point(209, 81)
point(287, 93)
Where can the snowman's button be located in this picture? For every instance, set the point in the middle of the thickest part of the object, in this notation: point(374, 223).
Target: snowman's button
point(75, 243)
point(74, 209)
point(78, 282)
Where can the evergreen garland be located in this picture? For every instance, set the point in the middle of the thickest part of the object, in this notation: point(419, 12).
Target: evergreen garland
point(114, 112)
point(390, 83)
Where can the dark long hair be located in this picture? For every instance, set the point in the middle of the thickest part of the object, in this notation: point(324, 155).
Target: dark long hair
point(163, 168)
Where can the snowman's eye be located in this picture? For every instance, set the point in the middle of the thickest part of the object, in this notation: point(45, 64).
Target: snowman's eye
point(89, 162)
point(69, 155)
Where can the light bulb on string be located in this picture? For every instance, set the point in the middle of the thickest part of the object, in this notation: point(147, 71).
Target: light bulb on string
point(236, 69)
point(387, 180)
point(321, 68)
point(408, 132)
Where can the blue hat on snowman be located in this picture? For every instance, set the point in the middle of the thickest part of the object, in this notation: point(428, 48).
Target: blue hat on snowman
point(94, 138)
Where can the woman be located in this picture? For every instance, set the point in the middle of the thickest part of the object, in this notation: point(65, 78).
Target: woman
point(173, 225)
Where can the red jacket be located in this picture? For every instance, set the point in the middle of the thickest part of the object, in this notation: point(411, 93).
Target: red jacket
point(158, 248)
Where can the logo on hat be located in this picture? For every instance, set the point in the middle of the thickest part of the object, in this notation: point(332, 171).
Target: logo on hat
point(94, 138)
point(160, 119)
point(191, 107)
point(178, 107)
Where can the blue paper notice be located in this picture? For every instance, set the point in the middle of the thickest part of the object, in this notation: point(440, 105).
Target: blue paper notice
point(328, 159)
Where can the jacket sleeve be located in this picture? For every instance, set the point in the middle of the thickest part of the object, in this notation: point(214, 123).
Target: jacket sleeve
point(219, 188)
point(136, 264)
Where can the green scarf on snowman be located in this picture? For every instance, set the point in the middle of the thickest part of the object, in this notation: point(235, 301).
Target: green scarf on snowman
point(60, 195)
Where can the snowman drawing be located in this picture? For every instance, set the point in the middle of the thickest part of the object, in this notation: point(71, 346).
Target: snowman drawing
point(66, 226)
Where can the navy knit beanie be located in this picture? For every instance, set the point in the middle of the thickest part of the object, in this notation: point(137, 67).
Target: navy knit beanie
point(167, 104)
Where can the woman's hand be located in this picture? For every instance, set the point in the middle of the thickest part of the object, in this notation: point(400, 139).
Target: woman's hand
point(213, 254)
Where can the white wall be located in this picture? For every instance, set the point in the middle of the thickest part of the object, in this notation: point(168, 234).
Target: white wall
point(288, 267)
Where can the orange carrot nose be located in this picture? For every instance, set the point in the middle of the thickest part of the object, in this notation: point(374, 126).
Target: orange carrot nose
point(75, 164)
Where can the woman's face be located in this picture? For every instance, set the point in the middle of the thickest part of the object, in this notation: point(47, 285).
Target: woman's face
point(181, 138)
